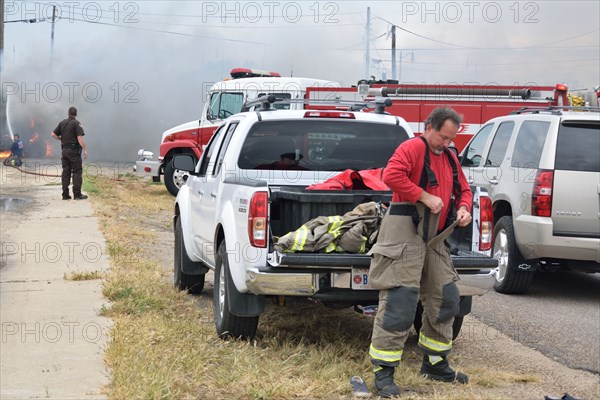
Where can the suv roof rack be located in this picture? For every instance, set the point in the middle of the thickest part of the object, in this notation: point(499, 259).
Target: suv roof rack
point(378, 104)
point(556, 110)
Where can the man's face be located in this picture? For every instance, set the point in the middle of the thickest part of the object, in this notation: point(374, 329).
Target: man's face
point(440, 140)
point(16, 138)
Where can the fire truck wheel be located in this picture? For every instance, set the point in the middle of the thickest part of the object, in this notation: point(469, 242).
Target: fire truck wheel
point(514, 274)
point(418, 322)
point(182, 281)
point(226, 323)
point(174, 178)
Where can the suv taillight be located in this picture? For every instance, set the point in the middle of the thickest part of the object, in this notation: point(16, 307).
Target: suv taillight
point(486, 228)
point(257, 220)
point(541, 198)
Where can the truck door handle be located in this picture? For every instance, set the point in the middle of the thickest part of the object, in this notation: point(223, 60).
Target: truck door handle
point(493, 181)
point(470, 180)
point(213, 194)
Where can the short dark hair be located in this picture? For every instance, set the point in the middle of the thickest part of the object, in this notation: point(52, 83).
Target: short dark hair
point(72, 112)
point(17, 136)
point(438, 117)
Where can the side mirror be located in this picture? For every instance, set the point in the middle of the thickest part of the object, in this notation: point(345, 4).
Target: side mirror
point(184, 162)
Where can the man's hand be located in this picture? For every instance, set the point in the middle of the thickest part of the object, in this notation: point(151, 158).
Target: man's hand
point(434, 203)
point(85, 154)
point(463, 216)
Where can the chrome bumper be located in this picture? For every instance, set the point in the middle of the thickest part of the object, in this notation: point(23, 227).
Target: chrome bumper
point(147, 168)
point(306, 284)
point(476, 284)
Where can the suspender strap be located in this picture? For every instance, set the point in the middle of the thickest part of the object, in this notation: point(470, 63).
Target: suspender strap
point(427, 176)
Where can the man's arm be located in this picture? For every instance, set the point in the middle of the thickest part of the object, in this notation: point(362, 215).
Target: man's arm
point(83, 146)
point(463, 214)
point(55, 136)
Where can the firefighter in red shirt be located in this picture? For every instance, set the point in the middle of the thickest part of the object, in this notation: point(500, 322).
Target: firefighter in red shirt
point(411, 259)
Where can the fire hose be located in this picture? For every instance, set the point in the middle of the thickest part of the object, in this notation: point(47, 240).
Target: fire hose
point(7, 162)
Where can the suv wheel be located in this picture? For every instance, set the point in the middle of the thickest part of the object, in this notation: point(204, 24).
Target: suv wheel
point(226, 323)
point(509, 279)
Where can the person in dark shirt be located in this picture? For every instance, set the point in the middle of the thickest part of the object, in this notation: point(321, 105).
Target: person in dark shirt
point(16, 149)
point(70, 133)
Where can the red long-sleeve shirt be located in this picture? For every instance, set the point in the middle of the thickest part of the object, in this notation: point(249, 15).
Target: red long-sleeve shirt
point(403, 173)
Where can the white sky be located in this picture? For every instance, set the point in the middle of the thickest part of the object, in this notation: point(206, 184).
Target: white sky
point(165, 53)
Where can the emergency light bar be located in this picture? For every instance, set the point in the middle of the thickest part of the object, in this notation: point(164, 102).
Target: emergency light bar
point(328, 114)
point(253, 73)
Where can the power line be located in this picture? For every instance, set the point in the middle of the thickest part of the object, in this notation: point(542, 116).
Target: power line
point(488, 48)
point(171, 32)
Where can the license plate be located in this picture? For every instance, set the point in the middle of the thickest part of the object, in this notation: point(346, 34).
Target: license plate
point(360, 279)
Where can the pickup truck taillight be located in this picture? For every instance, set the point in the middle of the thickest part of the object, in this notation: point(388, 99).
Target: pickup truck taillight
point(486, 230)
point(541, 198)
point(257, 220)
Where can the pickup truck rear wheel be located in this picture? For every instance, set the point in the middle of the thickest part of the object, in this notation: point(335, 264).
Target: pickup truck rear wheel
point(509, 278)
point(226, 323)
point(182, 281)
point(418, 322)
point(174, 178)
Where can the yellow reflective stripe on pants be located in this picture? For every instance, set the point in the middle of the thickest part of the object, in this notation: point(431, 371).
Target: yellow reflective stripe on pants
point(434, 344)
point(384, 355)
point(300, 238)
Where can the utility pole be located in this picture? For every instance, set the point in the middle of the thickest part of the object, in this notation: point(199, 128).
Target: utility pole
point(52, 41)
point(1, 35)
point(393, 51)
point(368, 42)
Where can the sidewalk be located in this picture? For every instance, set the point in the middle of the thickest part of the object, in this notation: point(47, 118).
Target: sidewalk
point(52, 340)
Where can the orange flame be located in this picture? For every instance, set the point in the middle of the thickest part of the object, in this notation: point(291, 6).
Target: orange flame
point(32, 123)
point(34, 138)
point(4, 154)
point(49, 150)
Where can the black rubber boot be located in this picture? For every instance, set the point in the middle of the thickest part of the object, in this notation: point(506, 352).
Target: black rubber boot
point(384, 383)
point(437, 368)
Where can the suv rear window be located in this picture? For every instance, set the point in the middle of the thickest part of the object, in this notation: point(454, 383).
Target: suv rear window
point(313, 144)
point(577, 147)
point(530, 143)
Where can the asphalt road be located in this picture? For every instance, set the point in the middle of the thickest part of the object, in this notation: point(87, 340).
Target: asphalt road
point(560, 317)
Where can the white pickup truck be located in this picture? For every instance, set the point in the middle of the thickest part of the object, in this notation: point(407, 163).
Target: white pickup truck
point(248, 188)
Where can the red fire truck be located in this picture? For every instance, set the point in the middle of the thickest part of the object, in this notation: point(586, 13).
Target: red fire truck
point(477, 103)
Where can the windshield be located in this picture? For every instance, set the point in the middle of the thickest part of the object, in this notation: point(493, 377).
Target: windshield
point(323, 145)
